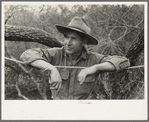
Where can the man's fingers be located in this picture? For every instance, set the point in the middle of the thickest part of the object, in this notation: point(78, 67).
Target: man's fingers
point(59, 86)
point(81, 82)
point(82, 75)
point(53, 84)
point(81, 79)
point(56, 85)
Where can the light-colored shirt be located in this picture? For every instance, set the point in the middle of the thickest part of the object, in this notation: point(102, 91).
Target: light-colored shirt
point(71, 88)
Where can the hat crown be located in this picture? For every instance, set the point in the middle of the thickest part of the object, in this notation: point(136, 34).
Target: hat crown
point(79, 23)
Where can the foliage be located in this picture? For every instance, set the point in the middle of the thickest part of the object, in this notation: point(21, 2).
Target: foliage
point(115, 26)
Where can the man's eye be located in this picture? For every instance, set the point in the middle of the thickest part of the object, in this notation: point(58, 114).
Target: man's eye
point(73, 38)
point(65, 36)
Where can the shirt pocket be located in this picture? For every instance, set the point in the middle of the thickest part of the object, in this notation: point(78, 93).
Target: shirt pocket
point(64, 73)
point(86, 86)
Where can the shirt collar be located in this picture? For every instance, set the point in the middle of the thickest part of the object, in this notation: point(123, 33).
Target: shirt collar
point(84, 54)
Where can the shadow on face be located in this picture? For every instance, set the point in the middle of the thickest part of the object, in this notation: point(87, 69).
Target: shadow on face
point(74, 42)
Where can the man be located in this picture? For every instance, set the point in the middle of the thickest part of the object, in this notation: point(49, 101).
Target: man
point(74, 82)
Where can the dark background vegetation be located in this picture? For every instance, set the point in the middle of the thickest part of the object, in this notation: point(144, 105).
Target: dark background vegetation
point(117, 28)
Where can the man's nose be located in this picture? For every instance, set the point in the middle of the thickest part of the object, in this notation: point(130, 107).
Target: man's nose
point(69, 42)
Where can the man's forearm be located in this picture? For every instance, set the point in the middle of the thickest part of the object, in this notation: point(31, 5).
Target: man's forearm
point(106, 66)
point(41, 64)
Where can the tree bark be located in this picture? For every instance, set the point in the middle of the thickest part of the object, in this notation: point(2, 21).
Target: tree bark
point(30, 34)
point(120, 80)
point(136, 48)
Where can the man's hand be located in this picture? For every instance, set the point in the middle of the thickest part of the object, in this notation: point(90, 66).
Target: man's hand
point(55, 80)
point(84, 72)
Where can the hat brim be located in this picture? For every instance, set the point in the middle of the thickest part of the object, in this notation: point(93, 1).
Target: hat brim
point(91, 39)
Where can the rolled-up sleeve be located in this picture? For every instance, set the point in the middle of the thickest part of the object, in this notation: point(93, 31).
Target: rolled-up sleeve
point(32, 55)
point(119, 62)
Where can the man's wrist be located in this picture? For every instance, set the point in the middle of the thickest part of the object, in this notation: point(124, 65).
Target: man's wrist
point(53, 69)
point(49, 70)
point(95, 67)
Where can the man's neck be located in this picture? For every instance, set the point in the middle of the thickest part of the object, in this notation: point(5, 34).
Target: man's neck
point(74, 57)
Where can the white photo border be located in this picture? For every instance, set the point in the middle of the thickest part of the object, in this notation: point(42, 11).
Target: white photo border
point(72, 109)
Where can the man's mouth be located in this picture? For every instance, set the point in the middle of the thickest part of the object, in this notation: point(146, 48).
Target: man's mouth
point(69, 48)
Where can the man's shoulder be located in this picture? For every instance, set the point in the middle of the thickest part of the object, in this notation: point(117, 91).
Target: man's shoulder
point(95, 55)
point(54, 50)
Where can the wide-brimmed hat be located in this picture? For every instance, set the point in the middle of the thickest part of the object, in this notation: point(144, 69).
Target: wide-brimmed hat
point(80, 25)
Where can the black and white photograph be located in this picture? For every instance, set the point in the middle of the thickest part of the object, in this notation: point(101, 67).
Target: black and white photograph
point(74, 60)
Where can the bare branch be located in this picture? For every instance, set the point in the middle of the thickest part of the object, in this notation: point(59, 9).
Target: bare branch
point(42, 9)
point(8, 18)
point(12, 68)
point(19, 92)
point(20, 65)
point(12, 14)
point(139, 23)
point(120, 36)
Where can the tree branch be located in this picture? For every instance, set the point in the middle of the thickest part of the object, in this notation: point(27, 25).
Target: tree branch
point(20, 65)
point(19, 92)
point(30, 34)
point(10, 15)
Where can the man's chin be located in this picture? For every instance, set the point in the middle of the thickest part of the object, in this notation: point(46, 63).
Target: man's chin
point(69, 52)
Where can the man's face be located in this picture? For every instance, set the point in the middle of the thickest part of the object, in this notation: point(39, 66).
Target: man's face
point(73, 43)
